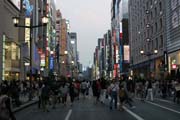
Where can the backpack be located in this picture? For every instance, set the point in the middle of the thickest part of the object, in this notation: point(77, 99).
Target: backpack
point(122, 93)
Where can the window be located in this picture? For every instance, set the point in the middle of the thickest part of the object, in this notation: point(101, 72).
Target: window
point(161, 24)
point(160, 6)
point(151, 30)
point(151, 15)
point(156, 43)
point(155, 10)
point(156, 27)
point(147, 5)
point(161, 41)
point(150, 2)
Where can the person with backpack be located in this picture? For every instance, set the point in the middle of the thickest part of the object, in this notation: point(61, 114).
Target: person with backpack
point(5, 108)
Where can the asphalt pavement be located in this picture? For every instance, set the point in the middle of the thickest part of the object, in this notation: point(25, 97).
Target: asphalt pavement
point(86, 109)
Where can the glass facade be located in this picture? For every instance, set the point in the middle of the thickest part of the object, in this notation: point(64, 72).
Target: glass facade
point(11, 60)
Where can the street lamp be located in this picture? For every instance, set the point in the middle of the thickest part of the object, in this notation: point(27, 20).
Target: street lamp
point(44, 23)
point(16, 24)
point(148, 54)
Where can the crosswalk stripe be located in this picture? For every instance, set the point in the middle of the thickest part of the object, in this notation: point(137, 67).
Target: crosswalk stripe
point(133, 114)
point(68, 115)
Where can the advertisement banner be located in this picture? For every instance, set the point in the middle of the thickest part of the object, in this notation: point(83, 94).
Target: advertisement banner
point(126, 53)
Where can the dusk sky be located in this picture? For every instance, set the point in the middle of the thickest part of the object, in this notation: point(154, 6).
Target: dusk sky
point(90, 19)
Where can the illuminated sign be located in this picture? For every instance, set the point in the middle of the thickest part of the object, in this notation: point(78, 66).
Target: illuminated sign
point(174, 66)
point(27, 32)
point(126, 53)
point(42, 64)
point(51, 63)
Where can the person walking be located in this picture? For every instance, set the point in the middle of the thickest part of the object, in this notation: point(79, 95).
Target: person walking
point(98, 88)
point(149, 90)
point(64, 91)
point(124, 94)
point(83, 88)
point(45, 97)
point(113, 90)
point(71, 92)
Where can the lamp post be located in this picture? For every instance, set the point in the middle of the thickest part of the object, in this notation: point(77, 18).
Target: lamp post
point(149, 54)
point(16, 24)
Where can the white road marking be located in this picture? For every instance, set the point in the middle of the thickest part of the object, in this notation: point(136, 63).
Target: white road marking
point(68, 115)
point(164, 100)
point(172, 110)
point(133, 114)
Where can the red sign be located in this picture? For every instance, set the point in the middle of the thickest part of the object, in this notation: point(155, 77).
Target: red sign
point(174, 66)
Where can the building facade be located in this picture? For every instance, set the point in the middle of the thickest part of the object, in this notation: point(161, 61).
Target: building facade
point(9, 41)
point(147, 34)
point(173, 36)
point(63, 48)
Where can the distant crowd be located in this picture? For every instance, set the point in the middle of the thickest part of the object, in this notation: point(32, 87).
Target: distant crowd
point(50, 92)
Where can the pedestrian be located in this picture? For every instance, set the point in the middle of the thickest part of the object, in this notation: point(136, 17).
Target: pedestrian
point(113, 90)
point(71, 92)
point(87, 88)
point(177, 87)
point(5, 108)
point(64, 91)
point(94, 90)
point(122, 96)
point(98, 88)
point(83, 88)
point(45, 97)
point(149, 90)
point(127, 99)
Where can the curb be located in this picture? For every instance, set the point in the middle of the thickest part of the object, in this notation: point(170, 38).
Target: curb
point(24, 106)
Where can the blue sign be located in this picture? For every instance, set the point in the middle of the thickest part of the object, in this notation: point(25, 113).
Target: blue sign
point(51, 62)
point(28, 7)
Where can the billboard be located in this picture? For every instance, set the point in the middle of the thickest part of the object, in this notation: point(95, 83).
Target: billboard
point(126, 53)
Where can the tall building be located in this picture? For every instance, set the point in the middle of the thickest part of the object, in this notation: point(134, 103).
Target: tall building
point(109, 55)
point(122, 14)
point(63, 48)
point(58, 39)
point(147, 36)
point(74, 61)
point(120, 40)
point(9, 41)
point(172, 36)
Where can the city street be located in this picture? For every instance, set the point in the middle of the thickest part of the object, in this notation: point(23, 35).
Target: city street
point(86, 109)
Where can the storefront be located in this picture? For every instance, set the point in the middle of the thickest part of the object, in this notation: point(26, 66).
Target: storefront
point(174, 62)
